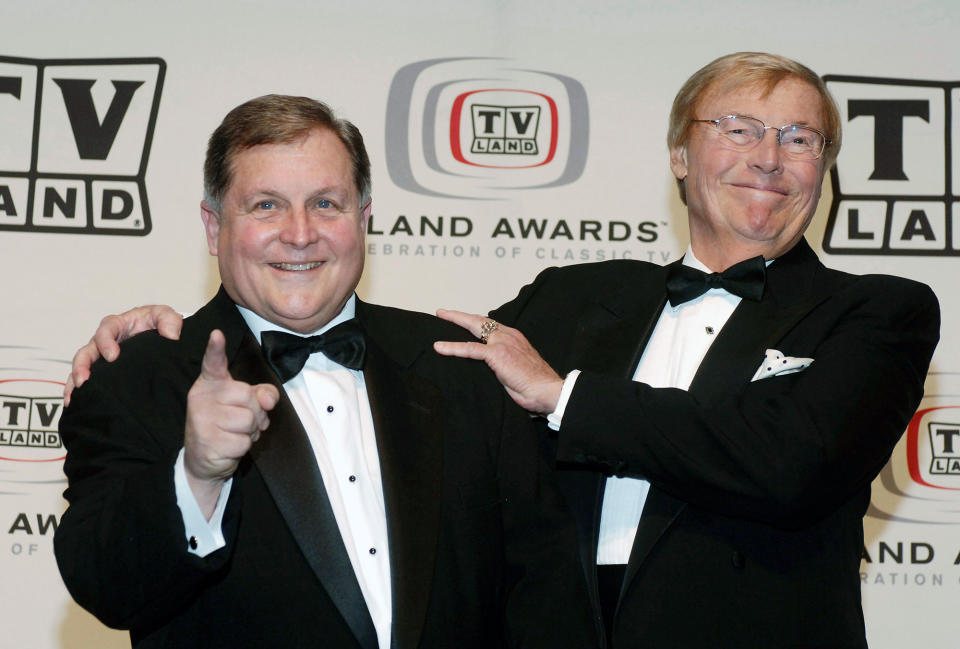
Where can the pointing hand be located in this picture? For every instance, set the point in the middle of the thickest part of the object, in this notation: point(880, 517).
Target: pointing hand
point(224, 418)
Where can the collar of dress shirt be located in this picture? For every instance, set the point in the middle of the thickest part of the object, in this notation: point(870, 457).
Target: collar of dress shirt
point(259, 324)
point(690, 259)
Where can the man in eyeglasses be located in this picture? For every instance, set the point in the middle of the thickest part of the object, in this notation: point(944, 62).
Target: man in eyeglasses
point(721, 418)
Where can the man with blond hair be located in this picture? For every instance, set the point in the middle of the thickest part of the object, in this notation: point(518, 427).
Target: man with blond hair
point(734, 406)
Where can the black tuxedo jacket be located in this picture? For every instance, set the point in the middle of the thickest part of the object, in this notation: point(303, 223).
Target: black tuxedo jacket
point(481, 553)
point(752, 532)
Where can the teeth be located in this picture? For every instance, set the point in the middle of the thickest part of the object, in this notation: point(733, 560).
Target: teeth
point(306, 266)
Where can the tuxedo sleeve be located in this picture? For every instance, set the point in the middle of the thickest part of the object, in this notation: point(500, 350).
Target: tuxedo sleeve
point(121, 546)
point(786, 450)
point(546, 603)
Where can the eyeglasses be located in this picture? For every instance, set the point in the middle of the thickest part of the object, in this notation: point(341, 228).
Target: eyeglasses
point(796, 141)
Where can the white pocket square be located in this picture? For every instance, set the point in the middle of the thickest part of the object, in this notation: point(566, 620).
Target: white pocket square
point(776, 364)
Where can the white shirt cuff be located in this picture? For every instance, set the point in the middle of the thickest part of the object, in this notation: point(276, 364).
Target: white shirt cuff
point(555, 417)
point(203, 536)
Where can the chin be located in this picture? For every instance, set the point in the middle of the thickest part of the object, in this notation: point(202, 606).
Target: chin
point(296, 312)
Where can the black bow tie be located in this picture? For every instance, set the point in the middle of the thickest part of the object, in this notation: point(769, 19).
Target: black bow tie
point(287, 353)
point(745, 279)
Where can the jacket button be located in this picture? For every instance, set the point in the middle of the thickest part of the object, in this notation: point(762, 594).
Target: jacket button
point(738, 560)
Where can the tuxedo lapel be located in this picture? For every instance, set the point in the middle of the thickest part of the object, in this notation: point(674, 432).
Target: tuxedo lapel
point(612, 338)
point(755, 327)
point(613, 333)
point(739, 348)
point(407, 420)
point(659, 512)
point(285, 460)
point(730, 362)
point(637, 306)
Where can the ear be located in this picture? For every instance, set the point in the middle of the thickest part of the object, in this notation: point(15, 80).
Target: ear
point(365, 216)
point(678, 161)
point(211, 225)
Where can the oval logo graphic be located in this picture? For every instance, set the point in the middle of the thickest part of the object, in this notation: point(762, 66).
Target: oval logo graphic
point(933, 447)
point(29, 415)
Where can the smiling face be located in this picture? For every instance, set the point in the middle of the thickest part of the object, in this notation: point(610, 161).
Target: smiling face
point(747, 203)
point(290, 234)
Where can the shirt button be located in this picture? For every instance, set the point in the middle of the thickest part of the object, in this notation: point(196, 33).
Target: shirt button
point(738, 560)
point(329, 408)
point(709, 331)
point(353, 478)
point(193, 543)
point(373, 550)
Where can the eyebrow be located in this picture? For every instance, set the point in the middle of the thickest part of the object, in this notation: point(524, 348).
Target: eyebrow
point(796, 122)
point(274, 193)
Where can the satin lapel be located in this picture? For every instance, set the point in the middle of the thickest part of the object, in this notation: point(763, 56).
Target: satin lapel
point(755, 327)
point(613, 332)
point(659, 512)
point(641, 307)
point(612, 340)
point(285, 459)
point(406, 417)
point(739, 348)
point(731, 361)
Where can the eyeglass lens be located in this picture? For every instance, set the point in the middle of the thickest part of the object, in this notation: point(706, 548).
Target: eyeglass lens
point(795, 140)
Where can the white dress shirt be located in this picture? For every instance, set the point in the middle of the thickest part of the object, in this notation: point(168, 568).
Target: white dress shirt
point(332, 404)
point(680, 340)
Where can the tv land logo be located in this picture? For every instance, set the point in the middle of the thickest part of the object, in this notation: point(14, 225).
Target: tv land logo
point(921, 482)
point(896, 181)
point(499, 129)
point(933, 448)
point(482, 128)
point(76, 138)
point(30, 412)
point(945, 449)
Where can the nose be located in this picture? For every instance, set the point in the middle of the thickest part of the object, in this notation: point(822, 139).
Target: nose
point(299, 229)
point(766, 157)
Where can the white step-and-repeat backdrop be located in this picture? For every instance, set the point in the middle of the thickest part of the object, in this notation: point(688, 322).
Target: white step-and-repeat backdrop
point(505, 136)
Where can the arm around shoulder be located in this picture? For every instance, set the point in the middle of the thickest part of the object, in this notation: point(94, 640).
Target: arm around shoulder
point(120, 546)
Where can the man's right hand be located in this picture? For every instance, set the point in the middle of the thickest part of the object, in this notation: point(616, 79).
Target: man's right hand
point(224, 418)
point(115, 329)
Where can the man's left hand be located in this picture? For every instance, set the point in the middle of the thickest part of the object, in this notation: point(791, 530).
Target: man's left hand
point(113, 330)
point(528, 379)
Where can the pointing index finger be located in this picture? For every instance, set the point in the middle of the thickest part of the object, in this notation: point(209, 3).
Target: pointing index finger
point(214, 364)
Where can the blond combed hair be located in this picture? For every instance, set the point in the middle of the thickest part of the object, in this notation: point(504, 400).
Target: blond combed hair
point(750, 69)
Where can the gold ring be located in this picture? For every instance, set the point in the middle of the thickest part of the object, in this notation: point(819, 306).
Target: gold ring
point(487, 328)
